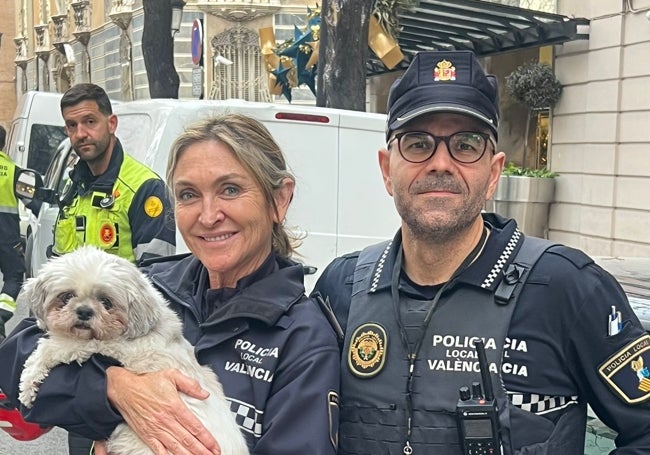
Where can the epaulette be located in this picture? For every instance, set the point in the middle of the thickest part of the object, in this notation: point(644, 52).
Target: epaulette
point(576, 257)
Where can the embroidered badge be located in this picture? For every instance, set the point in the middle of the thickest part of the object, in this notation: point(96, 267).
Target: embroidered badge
point(107, 233)
point(626, 372)
point(444, 71)
point(367, 350)
point(153, 206)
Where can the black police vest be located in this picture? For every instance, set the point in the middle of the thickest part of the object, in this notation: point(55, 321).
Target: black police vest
point(374, 412)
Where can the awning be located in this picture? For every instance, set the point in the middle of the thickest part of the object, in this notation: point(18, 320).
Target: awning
point(480, 26)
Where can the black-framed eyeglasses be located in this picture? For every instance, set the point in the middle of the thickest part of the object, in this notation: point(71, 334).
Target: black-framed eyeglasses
point(465, 146)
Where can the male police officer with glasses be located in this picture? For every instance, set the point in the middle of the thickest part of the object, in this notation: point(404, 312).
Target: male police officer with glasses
point(414, 307)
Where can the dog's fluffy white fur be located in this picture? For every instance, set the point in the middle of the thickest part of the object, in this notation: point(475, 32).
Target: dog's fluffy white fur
point(91, 302)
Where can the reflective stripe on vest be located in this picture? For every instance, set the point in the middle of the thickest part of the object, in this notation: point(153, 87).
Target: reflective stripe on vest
point(11, 210)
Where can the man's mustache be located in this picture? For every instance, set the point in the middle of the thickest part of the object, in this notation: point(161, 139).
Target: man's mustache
point(441, 183)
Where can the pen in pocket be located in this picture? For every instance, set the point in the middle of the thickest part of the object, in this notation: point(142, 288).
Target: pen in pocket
point(614, 322)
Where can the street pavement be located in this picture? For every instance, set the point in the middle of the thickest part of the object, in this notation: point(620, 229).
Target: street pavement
point(52, 443)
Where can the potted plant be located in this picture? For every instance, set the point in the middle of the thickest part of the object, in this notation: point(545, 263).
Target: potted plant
point(534, 85)
point(525, 194)
point(519, 171)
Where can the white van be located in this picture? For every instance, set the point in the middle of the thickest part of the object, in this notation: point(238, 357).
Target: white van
point(340, 203)
point(35, 132)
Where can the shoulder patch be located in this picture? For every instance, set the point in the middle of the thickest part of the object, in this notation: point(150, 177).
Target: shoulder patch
point(153, 206)
point(626, 372)
point(367, 352)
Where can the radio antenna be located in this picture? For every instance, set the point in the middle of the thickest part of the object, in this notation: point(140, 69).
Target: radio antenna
point(485, 370)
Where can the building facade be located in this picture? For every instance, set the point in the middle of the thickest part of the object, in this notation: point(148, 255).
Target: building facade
point(61, 42)
point(598, 133)
point(7, 69)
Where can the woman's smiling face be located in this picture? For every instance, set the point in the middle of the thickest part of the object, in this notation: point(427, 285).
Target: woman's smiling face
point(221, 212)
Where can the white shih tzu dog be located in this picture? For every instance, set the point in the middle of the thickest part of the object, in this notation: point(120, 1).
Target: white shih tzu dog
point(91, 302)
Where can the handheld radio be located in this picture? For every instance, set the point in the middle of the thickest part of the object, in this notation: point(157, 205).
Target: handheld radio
point(477, 415)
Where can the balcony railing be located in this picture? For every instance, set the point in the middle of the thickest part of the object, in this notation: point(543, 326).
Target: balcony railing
point(21, 50)
point(42, 39)
point(60, 29)
point(81, 16)
point(121, 13)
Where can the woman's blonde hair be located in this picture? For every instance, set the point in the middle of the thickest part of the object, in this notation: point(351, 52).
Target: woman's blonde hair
point(255, 148)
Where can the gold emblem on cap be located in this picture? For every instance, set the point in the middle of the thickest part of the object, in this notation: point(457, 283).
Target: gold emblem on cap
point(444, 71)
point(367, 350)
point(153, 206)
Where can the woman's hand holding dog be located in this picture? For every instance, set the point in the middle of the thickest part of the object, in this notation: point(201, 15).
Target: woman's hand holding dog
point(151, 406)
point(99, 448)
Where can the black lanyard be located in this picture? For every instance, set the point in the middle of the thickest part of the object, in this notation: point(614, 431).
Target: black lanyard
point(412, 356)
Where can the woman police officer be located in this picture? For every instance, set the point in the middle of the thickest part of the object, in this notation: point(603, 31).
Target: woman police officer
point(243, 307)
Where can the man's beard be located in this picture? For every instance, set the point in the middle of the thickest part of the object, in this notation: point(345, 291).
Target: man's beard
point(450, 222)
point(100, 147)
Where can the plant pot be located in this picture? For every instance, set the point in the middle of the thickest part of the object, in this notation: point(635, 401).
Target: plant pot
point(527, 200)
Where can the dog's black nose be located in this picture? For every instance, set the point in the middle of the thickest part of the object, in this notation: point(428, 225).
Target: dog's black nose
point(84, 313)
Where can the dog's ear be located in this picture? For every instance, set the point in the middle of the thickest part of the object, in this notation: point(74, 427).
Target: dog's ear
point(35, 295)
point(144, 305)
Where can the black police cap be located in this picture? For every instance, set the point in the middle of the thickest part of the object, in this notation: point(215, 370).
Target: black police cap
point(444, 81)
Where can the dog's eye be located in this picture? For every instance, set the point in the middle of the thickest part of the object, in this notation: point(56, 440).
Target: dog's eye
point(65, 297)
point(106, 302)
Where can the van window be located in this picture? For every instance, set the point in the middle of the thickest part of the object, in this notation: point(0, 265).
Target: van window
point(62, 163)
point(69, 163)
point(43, 142)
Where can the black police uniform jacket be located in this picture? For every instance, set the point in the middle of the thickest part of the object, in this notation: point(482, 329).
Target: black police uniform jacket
point(556, 354)
point(274, 351)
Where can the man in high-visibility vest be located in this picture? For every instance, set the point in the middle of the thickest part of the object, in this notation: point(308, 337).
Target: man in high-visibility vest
point(112, 201)
point(12, 261)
